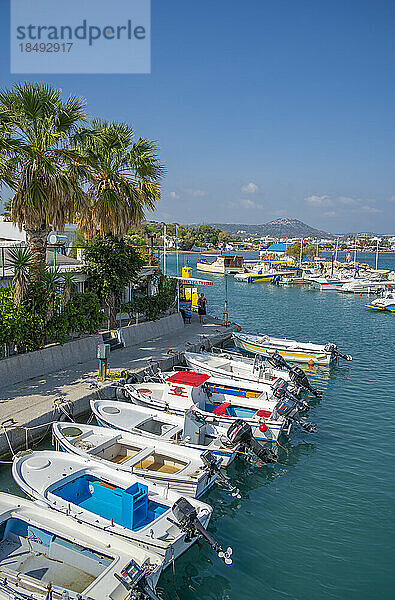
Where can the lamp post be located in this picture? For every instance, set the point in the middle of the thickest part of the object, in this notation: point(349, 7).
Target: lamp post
point(377, 252)
point(225, 315)
point(164, 248)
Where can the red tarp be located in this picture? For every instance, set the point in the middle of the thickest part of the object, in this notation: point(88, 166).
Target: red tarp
point(188, 378)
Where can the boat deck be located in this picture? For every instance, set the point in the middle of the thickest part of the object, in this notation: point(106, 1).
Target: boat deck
point(19, 556)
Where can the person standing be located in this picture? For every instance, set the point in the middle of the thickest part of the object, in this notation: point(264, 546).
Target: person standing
point(202, 303)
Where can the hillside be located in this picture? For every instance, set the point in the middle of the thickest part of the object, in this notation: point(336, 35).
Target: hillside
point(283, 227)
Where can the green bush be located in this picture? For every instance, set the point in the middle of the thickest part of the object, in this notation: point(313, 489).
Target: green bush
point(153, 307)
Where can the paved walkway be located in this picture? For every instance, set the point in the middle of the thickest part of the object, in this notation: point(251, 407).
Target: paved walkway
point(31, 403)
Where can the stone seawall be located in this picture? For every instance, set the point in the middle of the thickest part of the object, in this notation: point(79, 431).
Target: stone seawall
point(23, 367)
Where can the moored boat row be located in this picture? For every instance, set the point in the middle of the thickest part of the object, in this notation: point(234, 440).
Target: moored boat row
point(132, 484)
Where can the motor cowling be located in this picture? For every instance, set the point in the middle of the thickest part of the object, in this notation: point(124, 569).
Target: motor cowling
point(188, 522)
point(240, 432)
point(281, 390)
point(289, 409)
point(213, 467)
point(335, 353)
point(277, 361)
point(300, 379)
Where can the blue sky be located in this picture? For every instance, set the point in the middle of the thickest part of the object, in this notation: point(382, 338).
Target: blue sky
point(261, 109)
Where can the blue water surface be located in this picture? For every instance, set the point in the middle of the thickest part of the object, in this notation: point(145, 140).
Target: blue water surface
point(319, 524)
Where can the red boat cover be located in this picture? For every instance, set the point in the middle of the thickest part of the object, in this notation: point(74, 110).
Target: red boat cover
point(188, 378)
point(220, 410)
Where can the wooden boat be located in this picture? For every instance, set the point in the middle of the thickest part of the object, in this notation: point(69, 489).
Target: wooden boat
point(178, 468)
point(183, 390)
point(189, 430)
point(109, 500)
point(290, 349)
point(45, 554)
point(227, 263)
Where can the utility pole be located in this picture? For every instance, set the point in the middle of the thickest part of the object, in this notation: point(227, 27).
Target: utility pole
point(164, 248)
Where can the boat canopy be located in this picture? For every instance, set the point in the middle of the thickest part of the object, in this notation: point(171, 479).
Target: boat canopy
point(190, 281)
point(188, 378)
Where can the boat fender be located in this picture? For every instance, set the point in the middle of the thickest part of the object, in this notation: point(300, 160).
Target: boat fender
point(262, 427)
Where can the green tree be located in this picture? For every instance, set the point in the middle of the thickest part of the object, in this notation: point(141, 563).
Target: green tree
point(308, 251)
point(111, 265)
point(122, 178)
point(36, 159)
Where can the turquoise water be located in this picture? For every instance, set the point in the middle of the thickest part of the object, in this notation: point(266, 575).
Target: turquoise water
point(319, 524)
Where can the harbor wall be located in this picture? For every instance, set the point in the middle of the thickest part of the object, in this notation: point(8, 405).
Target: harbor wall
point(22, 367)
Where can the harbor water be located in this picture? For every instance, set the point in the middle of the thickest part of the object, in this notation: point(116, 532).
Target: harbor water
point(319, 524)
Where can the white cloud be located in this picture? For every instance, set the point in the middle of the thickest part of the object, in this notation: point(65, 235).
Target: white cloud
point(250, 188)
point(194, 193)
point(348, 201)
point(316, 200)
point(370, 209)
point(174, 195)
point(249, 204)
point(341, 203)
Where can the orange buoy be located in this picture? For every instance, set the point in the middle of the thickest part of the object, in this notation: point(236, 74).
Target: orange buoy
point(311, 363)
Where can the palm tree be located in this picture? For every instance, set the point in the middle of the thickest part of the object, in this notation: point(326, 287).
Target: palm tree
point(21, 259)
point(123, 178)
point(37, 162)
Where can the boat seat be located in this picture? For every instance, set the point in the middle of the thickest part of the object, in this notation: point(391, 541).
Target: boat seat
point(220, 410)
point(264, 413)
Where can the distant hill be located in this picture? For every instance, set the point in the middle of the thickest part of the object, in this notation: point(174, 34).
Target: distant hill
point(282, 227)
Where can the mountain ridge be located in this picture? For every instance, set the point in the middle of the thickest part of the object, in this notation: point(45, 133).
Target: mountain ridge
point(281, 227)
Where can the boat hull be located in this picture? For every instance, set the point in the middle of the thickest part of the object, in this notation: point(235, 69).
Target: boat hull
point(292, 355)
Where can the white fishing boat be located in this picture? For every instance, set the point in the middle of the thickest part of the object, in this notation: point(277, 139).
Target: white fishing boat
point(327, 284)
point(233, 373)
point(363, 286)
point(263, 276)
point(46, 555)
point(385, 302)
point(182, 390)
point(290, 349)
point(227, 263)
point(178, 468)
point(189, 430)
point(111, 500)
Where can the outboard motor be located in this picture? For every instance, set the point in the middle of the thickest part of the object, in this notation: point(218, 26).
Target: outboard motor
point(289, 409)
point(335, 353)
point(278, 362)
point(280, 390)
point(188, 522)
point(213, 466)
point(240, 432)
point(300, 379)
point(134, 579)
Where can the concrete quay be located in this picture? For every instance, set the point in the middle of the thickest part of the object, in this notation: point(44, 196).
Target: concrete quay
point(36, 390)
